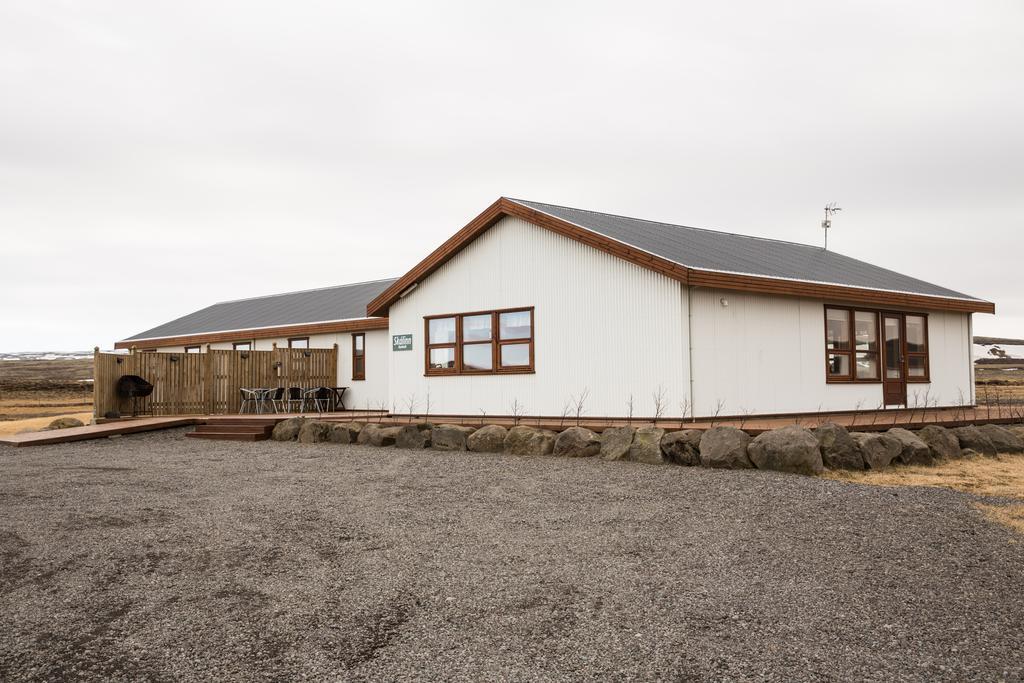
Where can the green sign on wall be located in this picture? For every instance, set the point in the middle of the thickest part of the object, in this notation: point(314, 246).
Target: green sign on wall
point(401, 342)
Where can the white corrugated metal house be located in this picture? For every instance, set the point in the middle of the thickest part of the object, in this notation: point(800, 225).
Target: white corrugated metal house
point(531, 305)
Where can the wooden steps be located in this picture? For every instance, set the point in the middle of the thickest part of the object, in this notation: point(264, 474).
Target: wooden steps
point(240, 429)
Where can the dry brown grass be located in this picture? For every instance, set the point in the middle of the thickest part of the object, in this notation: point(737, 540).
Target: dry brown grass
point(44, 388)
point(34, 424)
point(1002, 476)
point(1010, 515)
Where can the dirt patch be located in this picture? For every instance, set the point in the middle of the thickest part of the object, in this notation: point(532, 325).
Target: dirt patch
point(1010, 515)
point(13, 426)
point(44, 388)
point(1002, 476)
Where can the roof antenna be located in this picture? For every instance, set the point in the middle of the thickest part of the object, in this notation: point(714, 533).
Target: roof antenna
point(830, 209)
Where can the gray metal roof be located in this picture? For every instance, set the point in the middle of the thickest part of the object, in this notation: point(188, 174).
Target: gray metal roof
point(727, 252)
point(344, 302)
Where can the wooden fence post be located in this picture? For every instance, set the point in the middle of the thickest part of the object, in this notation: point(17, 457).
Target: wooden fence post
point(96, 383)
point(208, 381)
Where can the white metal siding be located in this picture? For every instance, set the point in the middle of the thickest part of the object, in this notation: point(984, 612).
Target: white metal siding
point(951, 364)
point(766, 354)
point(601, 324)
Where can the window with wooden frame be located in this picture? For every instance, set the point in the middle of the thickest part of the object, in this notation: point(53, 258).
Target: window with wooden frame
point(193, 349)
point(916, 335)
point(851, 345)
point(358, 356)
point(242, 346)
point(298, 343)
point(480, 343)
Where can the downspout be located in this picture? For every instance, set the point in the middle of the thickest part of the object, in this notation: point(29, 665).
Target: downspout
point(689, 348)
point(970, 357)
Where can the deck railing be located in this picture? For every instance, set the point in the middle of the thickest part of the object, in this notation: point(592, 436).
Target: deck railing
point(207, 383)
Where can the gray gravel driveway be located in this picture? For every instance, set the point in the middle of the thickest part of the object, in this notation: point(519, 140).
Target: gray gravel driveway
point(156, 557)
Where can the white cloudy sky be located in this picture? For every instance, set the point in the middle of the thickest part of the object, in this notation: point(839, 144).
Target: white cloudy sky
point(158, 156)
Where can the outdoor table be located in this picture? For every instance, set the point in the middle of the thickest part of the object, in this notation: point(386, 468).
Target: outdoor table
point(338, 398)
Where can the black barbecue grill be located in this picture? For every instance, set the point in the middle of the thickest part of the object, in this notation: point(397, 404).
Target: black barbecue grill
point(133, 387)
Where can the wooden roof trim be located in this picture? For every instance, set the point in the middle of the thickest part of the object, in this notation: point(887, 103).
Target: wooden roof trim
point(815, 290)
point(305, 329)
point(734, 281)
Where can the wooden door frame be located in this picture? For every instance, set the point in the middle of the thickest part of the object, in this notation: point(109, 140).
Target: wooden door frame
point(902, 321)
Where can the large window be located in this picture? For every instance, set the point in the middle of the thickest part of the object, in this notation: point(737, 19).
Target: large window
point(359, 356)
point(242, 346)
point(853, 352)
point(485, 342)
point(917, 347)
point(193, 349)
point(851, 345)
point(298, 343)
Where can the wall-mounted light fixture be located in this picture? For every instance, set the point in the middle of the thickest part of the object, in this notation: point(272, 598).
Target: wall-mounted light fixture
point(244, 355)
point(725, 302)
point(307, 354)
point(173, 359)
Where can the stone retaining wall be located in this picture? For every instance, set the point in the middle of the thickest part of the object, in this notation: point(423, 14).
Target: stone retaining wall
point(789, 449)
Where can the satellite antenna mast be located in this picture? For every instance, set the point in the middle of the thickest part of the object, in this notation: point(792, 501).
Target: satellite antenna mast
point(830, 209)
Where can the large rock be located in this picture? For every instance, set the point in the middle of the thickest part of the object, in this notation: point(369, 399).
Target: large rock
point(353, 430)
point(287, 430)
point(315, 431)
point(340, 433)
point(64, 423)
point(1018, 430)
point(365, 434)
point(789, 449)
point(725, 447)
point(524, 440)
point(839, 450)
point(615, 442)
point(450, 437)
point(489, 439)
point(646, 446)
point(879, 450)
point(941, 442)
point(1003, 439)
point(577, 442)
point(377, 435)
point(412, 436)
point(682, 448)
point(913, 451)
point(974, 439)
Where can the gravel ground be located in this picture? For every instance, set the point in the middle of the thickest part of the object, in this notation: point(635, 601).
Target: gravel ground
point(156, 557)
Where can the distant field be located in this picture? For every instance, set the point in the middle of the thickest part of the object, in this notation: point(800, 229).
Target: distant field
point(1000, 383)
point(44, 388)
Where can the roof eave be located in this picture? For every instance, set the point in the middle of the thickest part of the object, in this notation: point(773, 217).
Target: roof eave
point(686, 275)
point(299, 329)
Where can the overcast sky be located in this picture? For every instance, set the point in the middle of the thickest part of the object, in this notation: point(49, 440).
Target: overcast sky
point(156, 157)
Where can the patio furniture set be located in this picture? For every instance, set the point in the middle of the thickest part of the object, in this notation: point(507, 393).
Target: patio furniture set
point(292, 399)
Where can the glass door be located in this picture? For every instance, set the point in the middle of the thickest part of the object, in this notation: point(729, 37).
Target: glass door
point(894, 380)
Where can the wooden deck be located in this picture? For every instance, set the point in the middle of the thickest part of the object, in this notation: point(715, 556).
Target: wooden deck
point(98, 431)
point(865, 421)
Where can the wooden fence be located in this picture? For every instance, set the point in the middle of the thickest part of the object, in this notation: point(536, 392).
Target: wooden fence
point(207, 383)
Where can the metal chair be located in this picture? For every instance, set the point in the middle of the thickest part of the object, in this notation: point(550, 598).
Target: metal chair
point(320, 396)
point(250, 399)
point(272, 397)
point(294, 399)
